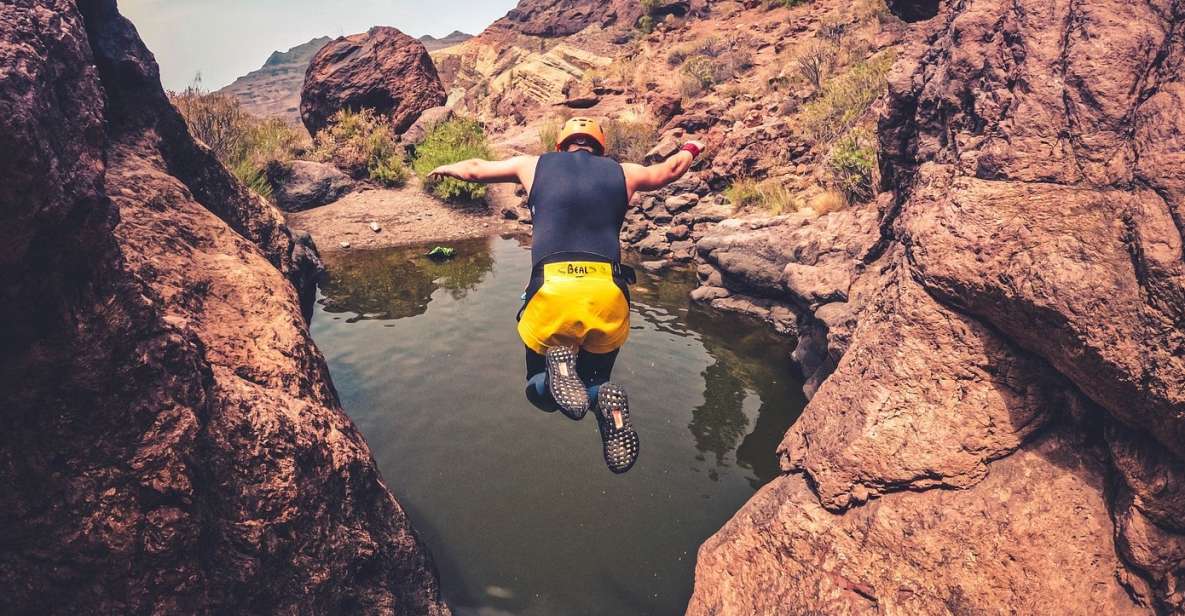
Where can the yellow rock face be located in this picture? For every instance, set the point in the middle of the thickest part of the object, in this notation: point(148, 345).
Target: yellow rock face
point(538, 74)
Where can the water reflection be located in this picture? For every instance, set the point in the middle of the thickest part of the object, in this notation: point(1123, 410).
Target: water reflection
point(747, 360)
point(397, 283)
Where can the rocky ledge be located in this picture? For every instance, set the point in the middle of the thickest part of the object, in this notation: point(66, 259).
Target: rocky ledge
point(996, 345)
point(171, 440)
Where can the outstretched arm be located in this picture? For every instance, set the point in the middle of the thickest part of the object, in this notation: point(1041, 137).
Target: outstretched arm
point(654, 177)
point(515, 169)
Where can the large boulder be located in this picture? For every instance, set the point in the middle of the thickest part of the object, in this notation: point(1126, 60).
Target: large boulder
point(301, 184)
point(382, 69)
point(170, 441)
point(1007, 388)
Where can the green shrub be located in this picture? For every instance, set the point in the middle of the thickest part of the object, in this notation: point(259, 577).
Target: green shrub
point(701, 69)
point(449, 142)
point(630, 140)
point(689, 86)
point(765, 195)
point(242, 142)
point(845, 99)
point(851, 165)
point(254, 178)
point(646, 24)
point(390, 171)
point(361, 144)
point(786, 3)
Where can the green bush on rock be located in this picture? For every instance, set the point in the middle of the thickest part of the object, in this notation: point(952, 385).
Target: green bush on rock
point(450, 142)
point(846, 98)
point(361, 144)
point(851, 164)
point(768, 196)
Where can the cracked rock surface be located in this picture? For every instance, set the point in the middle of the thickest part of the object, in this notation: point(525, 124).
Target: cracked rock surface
point(1001, 428)
point(171, 441)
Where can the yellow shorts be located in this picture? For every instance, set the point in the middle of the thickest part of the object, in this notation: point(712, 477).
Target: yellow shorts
point(578, 304)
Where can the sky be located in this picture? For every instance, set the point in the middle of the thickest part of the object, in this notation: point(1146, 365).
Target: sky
point(224, 39)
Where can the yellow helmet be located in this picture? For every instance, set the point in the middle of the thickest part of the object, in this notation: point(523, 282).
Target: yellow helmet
point(577, 127)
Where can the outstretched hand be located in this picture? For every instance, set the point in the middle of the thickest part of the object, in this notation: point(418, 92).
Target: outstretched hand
point(441, 172)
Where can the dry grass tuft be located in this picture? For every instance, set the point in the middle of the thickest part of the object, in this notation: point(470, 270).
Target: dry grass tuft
point(242, 142)
point(767, 196)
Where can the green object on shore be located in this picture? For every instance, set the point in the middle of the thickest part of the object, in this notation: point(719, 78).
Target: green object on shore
point(441, 253)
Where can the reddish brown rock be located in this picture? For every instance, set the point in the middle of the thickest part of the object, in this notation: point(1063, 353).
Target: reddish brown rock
point(171, 440)
point(1033, 538)
point(553, 18)
point(383, 69)
point(301, 184)
point(1013, 337)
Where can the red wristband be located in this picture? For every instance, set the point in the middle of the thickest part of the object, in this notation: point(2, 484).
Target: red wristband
point(691, 147)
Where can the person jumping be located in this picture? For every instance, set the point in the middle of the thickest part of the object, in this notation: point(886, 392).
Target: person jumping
point(576, 312)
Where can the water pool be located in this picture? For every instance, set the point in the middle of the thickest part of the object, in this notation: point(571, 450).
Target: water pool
point(516, 505)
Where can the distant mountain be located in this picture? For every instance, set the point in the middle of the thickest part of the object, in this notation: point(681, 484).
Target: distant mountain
point(455, 37)
point(274, 89)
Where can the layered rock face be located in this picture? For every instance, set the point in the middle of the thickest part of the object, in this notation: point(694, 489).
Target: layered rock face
point(1001, 429)
point(171, 440)
point(383, 69)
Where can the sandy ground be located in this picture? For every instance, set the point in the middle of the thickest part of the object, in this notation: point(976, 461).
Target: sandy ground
point(406, 216)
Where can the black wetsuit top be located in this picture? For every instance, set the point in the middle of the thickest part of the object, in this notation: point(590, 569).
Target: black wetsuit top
point(578, 203)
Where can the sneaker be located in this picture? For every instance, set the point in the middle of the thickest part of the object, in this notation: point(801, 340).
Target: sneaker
point(564, 383)
point(618, 438)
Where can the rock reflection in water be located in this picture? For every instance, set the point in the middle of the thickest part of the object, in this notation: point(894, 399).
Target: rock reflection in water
point(396, 283)
point(746, 361)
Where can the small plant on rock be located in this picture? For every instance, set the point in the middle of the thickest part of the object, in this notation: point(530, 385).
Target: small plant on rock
point(851, 165)
point(845, 99)
point(450, 142)
point(549, 133)
point(769, 196)
point(646, 24)
point(700, 70)
point(814, 62)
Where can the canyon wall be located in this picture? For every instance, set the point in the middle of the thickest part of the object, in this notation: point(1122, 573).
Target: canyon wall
point(171, 441)
point(999, 354)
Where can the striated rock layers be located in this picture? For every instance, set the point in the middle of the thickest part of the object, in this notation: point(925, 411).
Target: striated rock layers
point(1003, 425)
point(383, 69)
point(170, 439)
